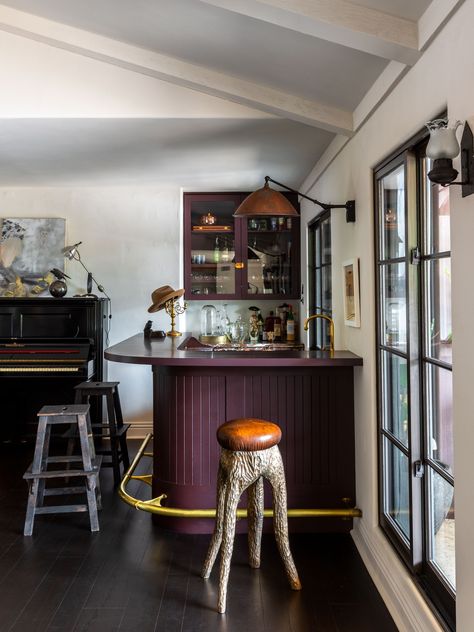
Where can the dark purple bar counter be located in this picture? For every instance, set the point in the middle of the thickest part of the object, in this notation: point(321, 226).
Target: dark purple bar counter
point(310, 394)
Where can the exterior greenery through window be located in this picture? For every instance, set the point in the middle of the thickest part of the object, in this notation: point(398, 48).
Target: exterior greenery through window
point(414, 336)
point(320, 270)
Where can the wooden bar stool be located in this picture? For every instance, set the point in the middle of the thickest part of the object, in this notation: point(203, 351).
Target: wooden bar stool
point(38, 472)
point(114, 429)
point(249, 452)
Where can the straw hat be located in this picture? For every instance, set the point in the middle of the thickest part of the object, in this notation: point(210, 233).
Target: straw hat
point(162, 295)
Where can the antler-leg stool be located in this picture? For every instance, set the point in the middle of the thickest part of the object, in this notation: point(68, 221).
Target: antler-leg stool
point(249, 452)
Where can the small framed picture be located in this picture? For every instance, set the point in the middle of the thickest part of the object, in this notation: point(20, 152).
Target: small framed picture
point(350, 283)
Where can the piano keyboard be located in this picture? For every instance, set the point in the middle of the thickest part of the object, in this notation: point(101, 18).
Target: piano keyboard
point(38, 369)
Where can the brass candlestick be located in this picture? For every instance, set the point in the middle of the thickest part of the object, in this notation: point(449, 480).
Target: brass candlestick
point(173, 309)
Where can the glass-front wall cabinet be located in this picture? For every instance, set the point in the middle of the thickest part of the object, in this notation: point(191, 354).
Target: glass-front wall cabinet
point(236, 258)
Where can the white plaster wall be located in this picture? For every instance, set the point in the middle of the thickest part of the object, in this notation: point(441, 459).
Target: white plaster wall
point(131, 244)
point(443, 77)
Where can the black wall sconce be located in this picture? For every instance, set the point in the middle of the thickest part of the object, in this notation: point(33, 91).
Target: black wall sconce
point(267, 201)
point(442, 147)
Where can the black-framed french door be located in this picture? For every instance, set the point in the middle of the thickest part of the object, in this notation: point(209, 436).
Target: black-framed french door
point(320, 279)
point(414, 372)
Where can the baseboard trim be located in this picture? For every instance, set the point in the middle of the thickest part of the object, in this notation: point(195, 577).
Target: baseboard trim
point(408, 608)
point(139, 429)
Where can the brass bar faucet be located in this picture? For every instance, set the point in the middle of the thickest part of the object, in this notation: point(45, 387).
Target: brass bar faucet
point(331, 328)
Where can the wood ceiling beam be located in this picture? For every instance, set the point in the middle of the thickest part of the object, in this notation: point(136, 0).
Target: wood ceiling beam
point(338, 21)
point(176, 71)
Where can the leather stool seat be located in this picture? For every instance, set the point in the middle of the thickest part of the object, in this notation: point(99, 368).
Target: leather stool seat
point(248, 435)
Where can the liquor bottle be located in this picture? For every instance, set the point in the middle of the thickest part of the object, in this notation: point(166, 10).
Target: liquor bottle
point(290, 325)
point(282, 312)
point(253, 325)
point(277, 329)
point(269, 327)
point(261, 325)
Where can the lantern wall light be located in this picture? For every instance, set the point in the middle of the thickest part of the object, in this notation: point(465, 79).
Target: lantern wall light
point(443, 146)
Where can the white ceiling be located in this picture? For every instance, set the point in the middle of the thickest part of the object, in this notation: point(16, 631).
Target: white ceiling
point(225, 41)
point(319, 74)
point(232, 154)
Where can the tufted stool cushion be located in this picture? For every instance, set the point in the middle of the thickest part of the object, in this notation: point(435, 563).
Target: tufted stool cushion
point(248, 435)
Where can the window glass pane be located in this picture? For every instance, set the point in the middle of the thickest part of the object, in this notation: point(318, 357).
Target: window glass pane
point(439, 411)
point(396, 485)
point(392, 208)
point(317, 244)
point(326, 288)
point(326, 241)
point(438, 309)
point(437, 220)
point(394, 318)
point(441, 528)
point(395, 395)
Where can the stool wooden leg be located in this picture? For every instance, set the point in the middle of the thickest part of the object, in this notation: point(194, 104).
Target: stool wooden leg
point(44, 461)
point(92, 501)
point(31, 506)
point(255, 521)
point(113, 438)
point(233, 493)
point(276, 476)
point(36, 486)
point(123, 437)
point(216, 539)
point(88, 454)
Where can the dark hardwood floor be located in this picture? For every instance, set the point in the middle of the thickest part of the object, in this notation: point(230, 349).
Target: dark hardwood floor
point(133, 576)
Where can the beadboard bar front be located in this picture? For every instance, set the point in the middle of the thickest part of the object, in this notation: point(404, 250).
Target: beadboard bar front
point(309, 394)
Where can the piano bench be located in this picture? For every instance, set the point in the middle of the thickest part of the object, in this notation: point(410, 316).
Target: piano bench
point(114, 430)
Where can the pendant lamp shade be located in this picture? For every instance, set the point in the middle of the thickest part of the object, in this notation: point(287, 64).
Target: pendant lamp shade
point(266, 201)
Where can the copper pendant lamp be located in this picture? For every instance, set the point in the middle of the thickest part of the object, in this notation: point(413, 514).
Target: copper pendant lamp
point(267, 201)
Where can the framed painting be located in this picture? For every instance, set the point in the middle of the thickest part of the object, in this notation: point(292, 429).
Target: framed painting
point(29, 249)
point(351, 299)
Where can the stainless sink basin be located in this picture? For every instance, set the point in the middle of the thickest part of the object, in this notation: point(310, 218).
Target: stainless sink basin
point(192, 344)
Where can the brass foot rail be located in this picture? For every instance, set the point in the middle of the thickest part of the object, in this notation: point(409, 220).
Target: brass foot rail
point(154, 505)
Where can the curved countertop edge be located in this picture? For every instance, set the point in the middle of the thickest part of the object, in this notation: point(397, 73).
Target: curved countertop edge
point(164, 352)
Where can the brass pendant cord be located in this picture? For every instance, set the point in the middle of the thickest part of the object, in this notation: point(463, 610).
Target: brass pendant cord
point(154, 505)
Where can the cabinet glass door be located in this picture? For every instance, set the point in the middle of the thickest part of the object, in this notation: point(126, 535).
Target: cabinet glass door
point(272, 258)
point(213, 260)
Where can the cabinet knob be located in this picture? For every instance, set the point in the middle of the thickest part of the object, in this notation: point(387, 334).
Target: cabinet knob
point(239, 265)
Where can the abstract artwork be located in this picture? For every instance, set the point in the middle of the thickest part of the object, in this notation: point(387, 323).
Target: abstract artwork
point(29, 249)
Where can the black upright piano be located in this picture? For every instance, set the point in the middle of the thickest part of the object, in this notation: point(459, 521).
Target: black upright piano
point(47, 346)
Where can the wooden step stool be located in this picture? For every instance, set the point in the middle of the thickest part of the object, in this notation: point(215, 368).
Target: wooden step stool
point(114, 429)
point(38, 473)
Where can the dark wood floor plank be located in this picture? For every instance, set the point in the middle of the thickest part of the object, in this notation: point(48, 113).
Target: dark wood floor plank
point(135, 577)
point(99, 620)
point(147, 585)
point(172, 608)
point(359, 618)
point(21, 583)
point(49, 594)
